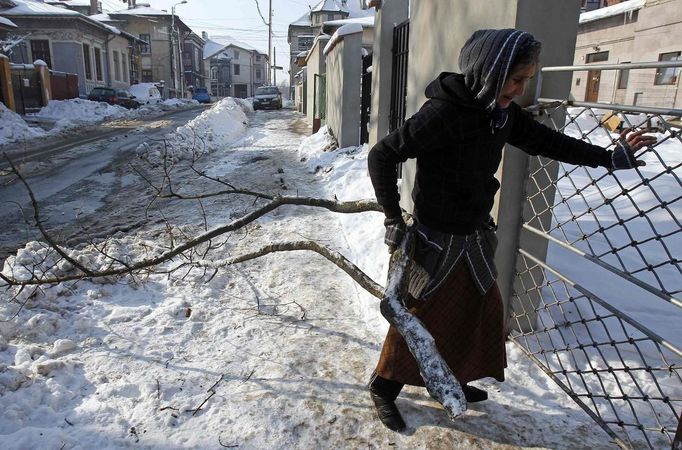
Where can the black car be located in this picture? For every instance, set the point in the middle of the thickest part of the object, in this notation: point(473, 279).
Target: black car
point(121, 97)
point(267, 97)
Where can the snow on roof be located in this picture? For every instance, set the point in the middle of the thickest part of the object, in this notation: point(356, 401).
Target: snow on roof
point(140, 11)
point(35, 8)
point(352, 7)
point(345, 30)
point(216, 44)
point(303, 21)
point(613, 10)
point(366, 22)
point(7, 22)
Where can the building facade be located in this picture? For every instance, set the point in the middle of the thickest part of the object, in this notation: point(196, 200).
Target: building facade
point(160, 56)
point(630, 31)
point(236, 69)
point(71, 42)
point(193, 61)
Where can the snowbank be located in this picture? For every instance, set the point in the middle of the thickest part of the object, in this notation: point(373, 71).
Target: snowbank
point(14, 128)
point(222, 124)
point(77, 112)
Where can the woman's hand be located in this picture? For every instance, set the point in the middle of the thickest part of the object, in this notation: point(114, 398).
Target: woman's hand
point(623, 156)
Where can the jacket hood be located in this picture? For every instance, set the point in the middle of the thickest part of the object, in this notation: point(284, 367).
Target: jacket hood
point(451, 87)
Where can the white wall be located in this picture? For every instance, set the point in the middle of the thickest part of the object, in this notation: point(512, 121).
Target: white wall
point(344, 67)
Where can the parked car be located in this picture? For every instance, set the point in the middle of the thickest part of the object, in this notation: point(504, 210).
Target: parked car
point(121, 97)
point(201, 95)
point(146, 93)
point(267, 97)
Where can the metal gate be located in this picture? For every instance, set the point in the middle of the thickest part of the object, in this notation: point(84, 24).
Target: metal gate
point(401, 40)
point(597, 298)
point(27, 91)
point(365, 99)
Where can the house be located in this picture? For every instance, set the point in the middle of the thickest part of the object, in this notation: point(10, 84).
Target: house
point(630, 31)
point(248, 68)
point(162, 32)
point(71, 42)
point(302, 32)
point(193, 61)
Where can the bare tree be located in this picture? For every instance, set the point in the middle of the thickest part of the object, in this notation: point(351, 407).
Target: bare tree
point(180, 253)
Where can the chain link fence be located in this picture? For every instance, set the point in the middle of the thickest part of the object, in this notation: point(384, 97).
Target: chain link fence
point(596, 299)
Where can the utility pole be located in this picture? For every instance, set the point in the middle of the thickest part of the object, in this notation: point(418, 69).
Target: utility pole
point(269, 35)
point(274, 65)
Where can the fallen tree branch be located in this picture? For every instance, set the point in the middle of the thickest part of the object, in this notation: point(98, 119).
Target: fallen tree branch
point(335, 257)
point(349, 207)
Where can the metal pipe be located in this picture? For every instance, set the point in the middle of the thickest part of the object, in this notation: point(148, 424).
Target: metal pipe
point(653, 336)
point(609, 267)
point(643, 65)
point(611, 106)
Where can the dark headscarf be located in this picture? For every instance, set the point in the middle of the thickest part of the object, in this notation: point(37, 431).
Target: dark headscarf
point(487, 58)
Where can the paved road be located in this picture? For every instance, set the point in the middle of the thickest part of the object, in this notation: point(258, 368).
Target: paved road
point(75, 178)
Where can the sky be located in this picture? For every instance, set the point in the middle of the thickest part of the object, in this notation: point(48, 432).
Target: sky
point(237, 18)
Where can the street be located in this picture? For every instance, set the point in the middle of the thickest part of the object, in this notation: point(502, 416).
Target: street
point(77, 181)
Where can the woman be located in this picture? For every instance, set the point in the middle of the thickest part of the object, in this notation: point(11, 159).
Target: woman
point(457, 138)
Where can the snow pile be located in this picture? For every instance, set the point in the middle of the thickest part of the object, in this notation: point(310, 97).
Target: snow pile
point(177, 103)
point(215, 128)
point(76, 112)
point(13, 128)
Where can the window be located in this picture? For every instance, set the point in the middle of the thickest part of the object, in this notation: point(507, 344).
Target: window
point(124, 60)
point(330, 16)
point(117, 65)
point(41, 50)
point(236, 54)
point(304, 43)
point(257, 58)
point(98, 64)
point(147, 76)
point(87, 61)
point(667, 75)
point(258, 74)
point(146, 48)
point(623, 76)
point(236, 69)
point(597, 57)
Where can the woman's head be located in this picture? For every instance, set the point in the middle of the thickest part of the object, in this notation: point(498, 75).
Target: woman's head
point(497, 65)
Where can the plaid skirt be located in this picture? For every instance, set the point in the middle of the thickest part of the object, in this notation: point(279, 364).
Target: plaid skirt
point(468, 329)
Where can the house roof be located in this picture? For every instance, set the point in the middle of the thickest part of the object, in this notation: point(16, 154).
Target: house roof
point(7, 23)
point(122, 14)
point(613, 10)
point(35, 8)
point(352, 7)
point(303, 21)
point(217, 44)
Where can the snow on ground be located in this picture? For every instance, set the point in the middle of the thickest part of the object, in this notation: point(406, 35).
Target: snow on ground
point(215, 128)
point(272, 353)
point(14, 129)
point(62, 116)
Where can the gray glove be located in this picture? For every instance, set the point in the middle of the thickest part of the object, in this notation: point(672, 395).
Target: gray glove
point(395, 231)
point(624, 158)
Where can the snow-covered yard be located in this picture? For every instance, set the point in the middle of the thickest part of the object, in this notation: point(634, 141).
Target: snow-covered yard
point(271, 353)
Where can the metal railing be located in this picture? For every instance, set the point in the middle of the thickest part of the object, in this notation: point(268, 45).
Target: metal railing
point(596, 301)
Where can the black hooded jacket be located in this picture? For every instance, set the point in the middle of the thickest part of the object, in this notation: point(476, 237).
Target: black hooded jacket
point(458, 152)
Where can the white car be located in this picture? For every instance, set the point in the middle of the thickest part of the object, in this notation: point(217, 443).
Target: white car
point(146, 93)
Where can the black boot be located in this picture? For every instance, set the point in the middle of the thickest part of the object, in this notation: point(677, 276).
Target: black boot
point(383, 393)
point(473, 395)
